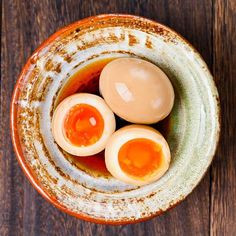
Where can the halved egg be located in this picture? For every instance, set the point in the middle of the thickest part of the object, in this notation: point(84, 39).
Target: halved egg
point(82, 124)
point(136, 90)
point(137, 154)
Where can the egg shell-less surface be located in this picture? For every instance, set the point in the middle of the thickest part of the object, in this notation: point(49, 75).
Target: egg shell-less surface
point(63, 109)
point(136, 90)
point(122, 136)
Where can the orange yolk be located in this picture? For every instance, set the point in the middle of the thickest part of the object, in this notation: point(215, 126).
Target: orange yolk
point(140, 157)
point(83, 125)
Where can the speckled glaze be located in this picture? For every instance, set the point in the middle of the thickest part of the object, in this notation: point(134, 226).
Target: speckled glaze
point(194, 120)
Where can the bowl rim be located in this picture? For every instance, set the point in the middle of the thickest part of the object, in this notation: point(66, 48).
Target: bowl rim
point(15, 137)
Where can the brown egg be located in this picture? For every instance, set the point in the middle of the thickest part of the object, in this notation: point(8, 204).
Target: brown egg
point(136, 90)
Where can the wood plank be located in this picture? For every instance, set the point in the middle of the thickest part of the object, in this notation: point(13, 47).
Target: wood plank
point(223, 200)
point(11, 178)
point(25, 25)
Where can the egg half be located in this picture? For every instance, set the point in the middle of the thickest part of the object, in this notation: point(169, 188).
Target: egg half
point(82, 124)
point(137, 155)
point(136, 90)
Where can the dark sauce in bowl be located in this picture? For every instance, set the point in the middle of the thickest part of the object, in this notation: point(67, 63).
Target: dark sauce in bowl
point(86, 80)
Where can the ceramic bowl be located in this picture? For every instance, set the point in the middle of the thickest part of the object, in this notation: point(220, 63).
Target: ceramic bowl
point(193, 125)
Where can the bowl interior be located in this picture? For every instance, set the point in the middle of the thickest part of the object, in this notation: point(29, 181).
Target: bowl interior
point(71, 61)
point(89, 76)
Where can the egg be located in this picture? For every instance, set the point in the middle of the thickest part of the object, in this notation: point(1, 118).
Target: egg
point(82, 124)
point(136, 90)
point(137, 155)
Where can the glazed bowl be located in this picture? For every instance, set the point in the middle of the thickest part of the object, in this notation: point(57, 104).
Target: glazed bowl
point(192, 129)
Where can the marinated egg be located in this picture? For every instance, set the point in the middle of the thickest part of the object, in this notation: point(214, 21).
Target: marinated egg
point(82, 124)
point(137, 154)
point(136, 90)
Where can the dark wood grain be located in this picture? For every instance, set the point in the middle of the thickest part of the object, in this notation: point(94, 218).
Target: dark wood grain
point(223, 197)
point(210, 209)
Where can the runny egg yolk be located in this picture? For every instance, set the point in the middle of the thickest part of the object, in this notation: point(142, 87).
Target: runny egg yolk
point(140, 157)
point(83, 125)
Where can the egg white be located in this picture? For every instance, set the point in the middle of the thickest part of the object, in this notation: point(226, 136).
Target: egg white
point(126, 134)
point(136, 90)
point(59, 118)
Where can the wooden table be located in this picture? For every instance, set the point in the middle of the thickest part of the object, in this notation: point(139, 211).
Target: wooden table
point(211, 27)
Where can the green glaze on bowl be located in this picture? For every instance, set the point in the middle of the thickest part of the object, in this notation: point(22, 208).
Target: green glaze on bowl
point(193, 123)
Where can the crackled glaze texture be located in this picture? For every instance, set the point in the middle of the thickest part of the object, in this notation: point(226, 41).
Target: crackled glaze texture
point(193, 129)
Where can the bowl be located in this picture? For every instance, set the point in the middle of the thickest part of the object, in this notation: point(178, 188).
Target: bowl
point(80, 186)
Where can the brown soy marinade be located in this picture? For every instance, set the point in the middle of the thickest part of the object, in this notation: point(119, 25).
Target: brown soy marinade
point(87, 80)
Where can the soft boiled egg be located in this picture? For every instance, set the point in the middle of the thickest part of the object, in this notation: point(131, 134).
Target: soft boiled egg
point(137, 155)
point(82, 124)
point(136, 90)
